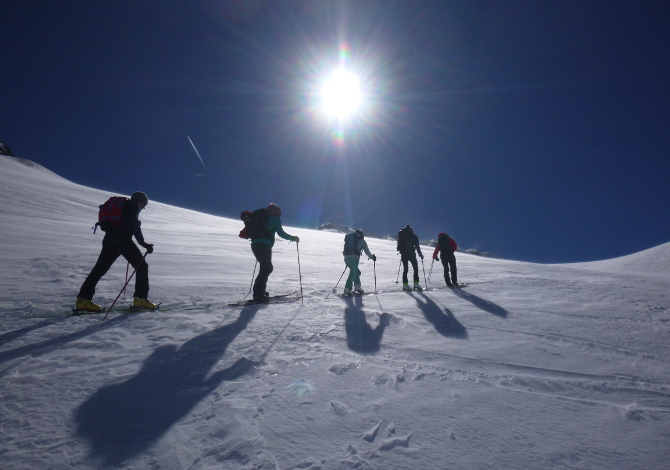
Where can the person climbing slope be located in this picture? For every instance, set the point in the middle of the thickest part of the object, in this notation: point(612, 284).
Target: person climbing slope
point(408, 246)
point(446, 246)
point(354, 243)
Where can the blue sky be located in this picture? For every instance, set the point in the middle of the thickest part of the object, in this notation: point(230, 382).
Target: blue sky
point(534, 130)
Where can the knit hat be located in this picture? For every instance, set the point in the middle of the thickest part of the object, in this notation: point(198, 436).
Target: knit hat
point(139, 196)
point(274, 209)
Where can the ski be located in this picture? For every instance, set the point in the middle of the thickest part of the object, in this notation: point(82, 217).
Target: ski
point(271, 300)
point(430, 289)
point(130, 309)
point(196, 307)
point(465, 284)
point(274, 299)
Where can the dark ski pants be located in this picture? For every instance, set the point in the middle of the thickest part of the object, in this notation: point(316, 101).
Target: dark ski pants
point(405, 268)
point(263, 254)
point(112, 248)
point(449, 261)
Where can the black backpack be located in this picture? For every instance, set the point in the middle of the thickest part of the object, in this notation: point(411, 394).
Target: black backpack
point(405, 241)
point(445, 246)
point(350, 244)
point(255, 224)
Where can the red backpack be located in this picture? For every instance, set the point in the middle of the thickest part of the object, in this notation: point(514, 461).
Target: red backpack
point(110, 212)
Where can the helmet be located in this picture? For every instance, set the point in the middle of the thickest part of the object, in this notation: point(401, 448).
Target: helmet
point(359, 233)
point(274, 209)
point(139, 196)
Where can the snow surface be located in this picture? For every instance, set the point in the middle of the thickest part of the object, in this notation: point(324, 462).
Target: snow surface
point(531, 366)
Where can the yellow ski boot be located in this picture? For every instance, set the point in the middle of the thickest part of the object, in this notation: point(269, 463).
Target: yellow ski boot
point(86, 306)
point(144, 303)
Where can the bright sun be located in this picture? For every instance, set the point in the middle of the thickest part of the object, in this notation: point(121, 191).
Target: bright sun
point(341, 94)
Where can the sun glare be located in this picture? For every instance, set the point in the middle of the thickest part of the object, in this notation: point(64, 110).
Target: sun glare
point(341, 94)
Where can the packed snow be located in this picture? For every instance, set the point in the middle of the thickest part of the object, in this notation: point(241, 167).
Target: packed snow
point(530, 366)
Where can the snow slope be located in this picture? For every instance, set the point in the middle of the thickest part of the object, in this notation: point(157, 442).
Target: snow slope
point(654, 261)
point(531, 366)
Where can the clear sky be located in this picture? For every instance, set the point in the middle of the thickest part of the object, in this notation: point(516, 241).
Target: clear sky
point(539, 131)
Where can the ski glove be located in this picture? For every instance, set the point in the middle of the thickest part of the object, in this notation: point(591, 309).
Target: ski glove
point(421, 256)
point(148, 246)
point(374, 258)
point(296, 239)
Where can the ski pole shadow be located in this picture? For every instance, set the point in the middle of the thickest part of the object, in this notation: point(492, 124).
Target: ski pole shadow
point(44, 347)
point(441, 318)
point(12, 335)
point(122, 420)
point(361, 337)
point(482, 304)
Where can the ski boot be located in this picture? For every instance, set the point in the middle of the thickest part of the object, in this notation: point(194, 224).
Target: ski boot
point(417, 286)
point(358, 290)
point(84, 306)
point(348, 292)
point(406, 286)
point(144, 304)
point(264, 297)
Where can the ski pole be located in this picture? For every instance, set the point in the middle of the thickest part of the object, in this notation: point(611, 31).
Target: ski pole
point(299, 273)
point(124, 289)
point(338, 282)
point(124, 286)
point(430, 273)
point(398, 276)
point(374, 268)
point(252, 280)
point(424, 272)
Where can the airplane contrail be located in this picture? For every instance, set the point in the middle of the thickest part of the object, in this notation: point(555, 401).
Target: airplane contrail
point(197, 153)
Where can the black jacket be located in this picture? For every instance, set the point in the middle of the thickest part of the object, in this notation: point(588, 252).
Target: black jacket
point(412, 244)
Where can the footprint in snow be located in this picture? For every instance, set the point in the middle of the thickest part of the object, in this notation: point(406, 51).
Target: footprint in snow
point(372, 433)
point(393, 442)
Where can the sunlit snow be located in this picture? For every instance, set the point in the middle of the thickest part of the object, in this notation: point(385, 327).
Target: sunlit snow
point(530, 366)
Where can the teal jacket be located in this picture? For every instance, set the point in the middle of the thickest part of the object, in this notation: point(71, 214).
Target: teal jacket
point(274, 226)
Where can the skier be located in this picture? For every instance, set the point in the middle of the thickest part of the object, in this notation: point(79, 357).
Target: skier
point(354, 243)
point(261, 246)
point(408, 242)
point(446, 246)
point(119, 241)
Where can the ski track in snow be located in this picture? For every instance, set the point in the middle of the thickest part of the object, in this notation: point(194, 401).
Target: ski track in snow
point(530, 366)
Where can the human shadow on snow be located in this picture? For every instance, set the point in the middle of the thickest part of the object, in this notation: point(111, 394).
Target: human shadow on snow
point(483, 304)
point(440, 317)
point(122, 420)
point(361, 337)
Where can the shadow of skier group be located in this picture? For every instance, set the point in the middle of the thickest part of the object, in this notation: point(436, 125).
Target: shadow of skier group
point(440, 317)
point(120, 421)
point(361, 337)
point(482, 304)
